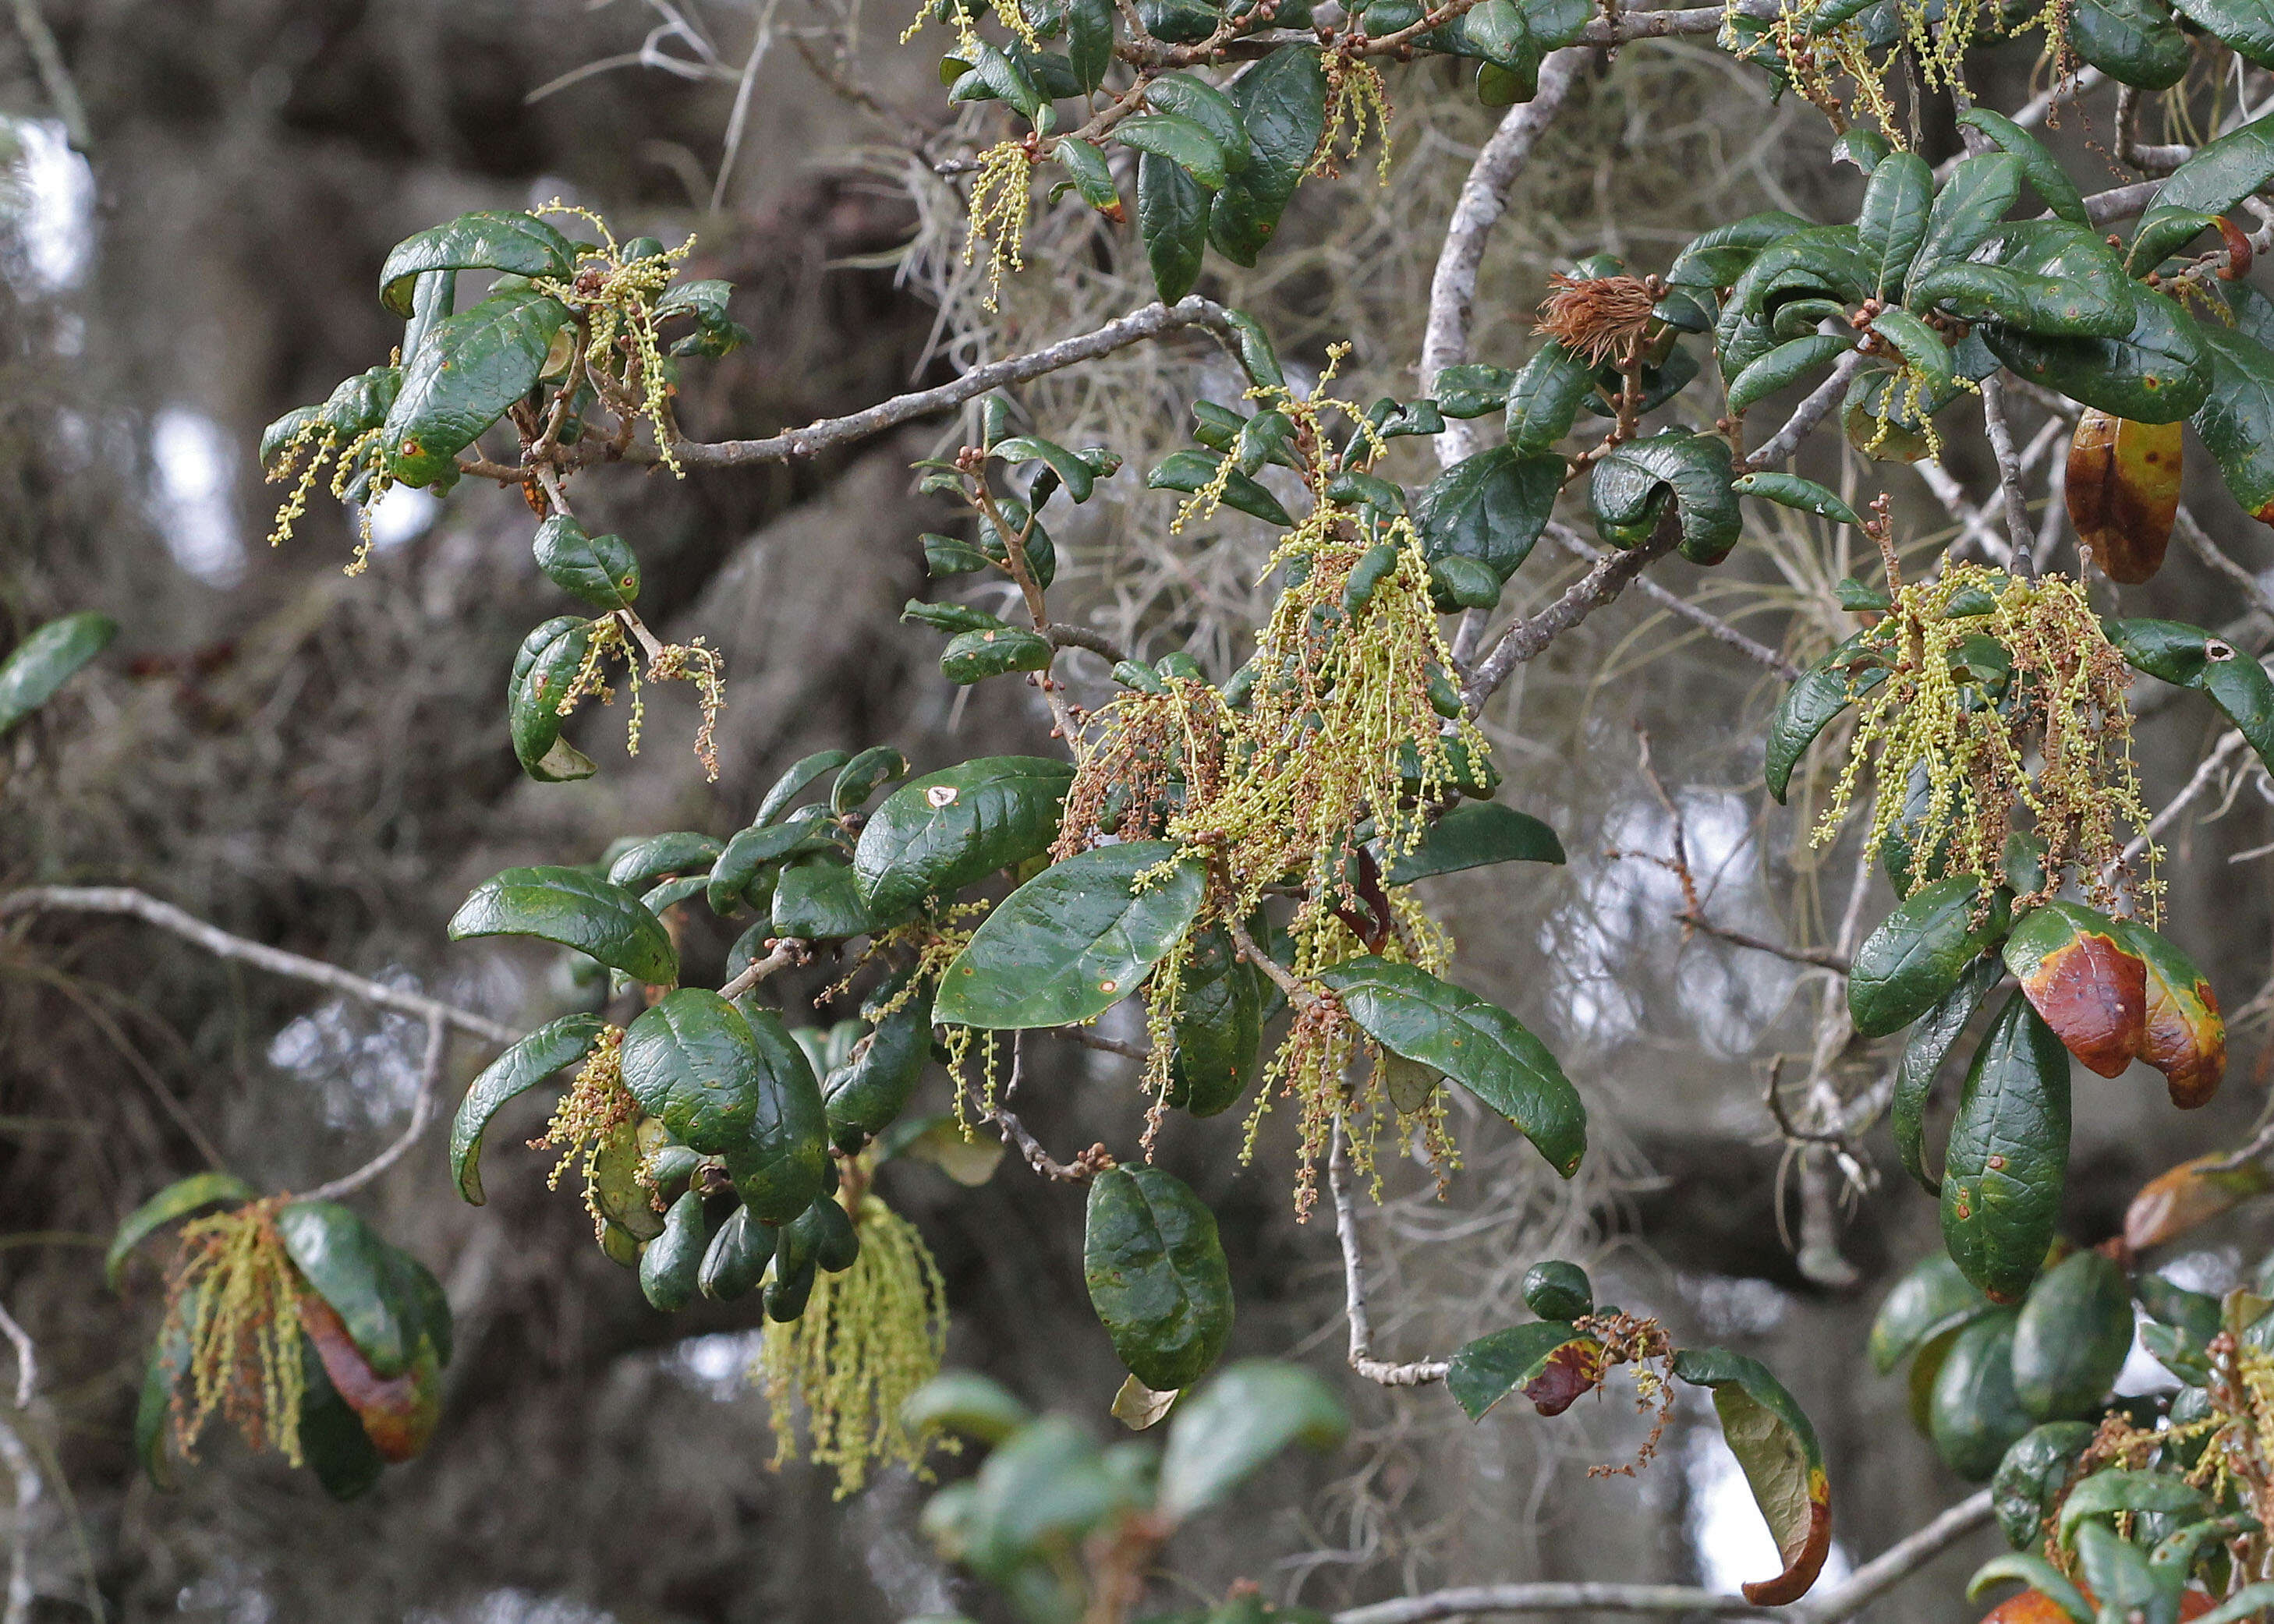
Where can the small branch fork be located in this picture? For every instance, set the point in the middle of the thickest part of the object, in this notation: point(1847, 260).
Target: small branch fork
point(1419, 1372)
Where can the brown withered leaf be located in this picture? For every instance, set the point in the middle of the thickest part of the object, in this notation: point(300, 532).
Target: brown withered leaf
point(2177, 1199)
point(2123, 492)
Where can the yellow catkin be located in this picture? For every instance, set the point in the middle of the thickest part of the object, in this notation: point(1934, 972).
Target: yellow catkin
point(596, 1104)
point(1356, 97)
point(616, 299)
point(2058, 747)
point(692, 662)
point(1002, 197)
point(232, 1297)
point(868, 1339)
point(1338, 733)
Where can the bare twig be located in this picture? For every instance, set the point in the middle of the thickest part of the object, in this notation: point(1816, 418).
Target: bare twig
point(781, 954)
point(2217, 557)
point(1674, 602)
point(1154, 321)
point(1419, 1372)
point(2204, 774)
point(1484, 197)
point(18, 1459)
point(28, 1357)
point(422, 1112)
point(1806, 416)
point(1816, 957)
point(140, 905)
point(1087, 1038)
point(2018, 533)
point(1301, 996)
point(54, 77)
point(1526, 638)
point(1079, 1170)
point(1843, 1601)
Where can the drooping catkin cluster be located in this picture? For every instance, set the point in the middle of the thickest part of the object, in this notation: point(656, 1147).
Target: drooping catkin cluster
point(232, 1296)
point(1356, 95)
point(596, 1104)
point(616, 299)
point(868, 1339)
point(317, 441)
point(1932, 38)
point(693, 662)
point(1974, 737)
point(1002, 197)
point(1327, 771)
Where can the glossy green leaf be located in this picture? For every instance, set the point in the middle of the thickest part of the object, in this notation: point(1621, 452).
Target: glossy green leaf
point(513, 242)
point(1086, 167)
point(670, 1263)
point(1808, 707)
point(1218, 1030)
point(682, 851)
point(1472, 390)
point(1074, 940)
point(703, 302)
point(973, 657)
point(1228, 1428)
point(1195, 471)
point(967, 1404)
point(1544, 397)
point(2134, 41)
point(737, 1258)
point(2074, 1333)
point(1490, 508)
point(543, 669)
point(1188, 96)
point(1811, 262)
point(571, 908)
point(177, 1200)
point(1717, 257)
point(2039, 1575)
point(1932, 1037)
point(2008, 1155)
point(474, 365)
point(2030, 1477)
point(1932, 1300)
point(940, 832)
point(738, 874)
point(599, 570)
point(1980, 193)
point(1915, 956)
point(2054, 189)
point(801, 776)
point(690, 1060)
point(2045, 277)
point(1090, 41)
point(2219, 174)
point(1975, 1416)
point(869, 1089)
point(1785, 366)
point(1893, 223)
point(780, 1166)
point(2189, 656)
point(1478, 1045)
point(1547, 1361)
point(2236, 419)
point(1783, 1464)
point(2119, 1491)
point(995, 77)
point(1924, 355)
point(863, 776)
point(1473, 836)
point(1805, 495)
point(346, 1264)
point(550, 1048)
point(1628, 487)
point(1157, 1276)
point(817, 899)
point(1180, 141)
point(2159, 373)
point(50, 657)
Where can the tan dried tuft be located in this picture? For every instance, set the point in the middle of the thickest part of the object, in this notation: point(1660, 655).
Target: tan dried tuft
point(1600, 318)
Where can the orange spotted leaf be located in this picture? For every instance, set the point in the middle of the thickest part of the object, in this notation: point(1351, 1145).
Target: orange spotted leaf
point(2083, 981)
point(2186, 1038)
point(399, 1412)
point(2194, 1193)
point(1783, 1464)
point(2123, 492)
